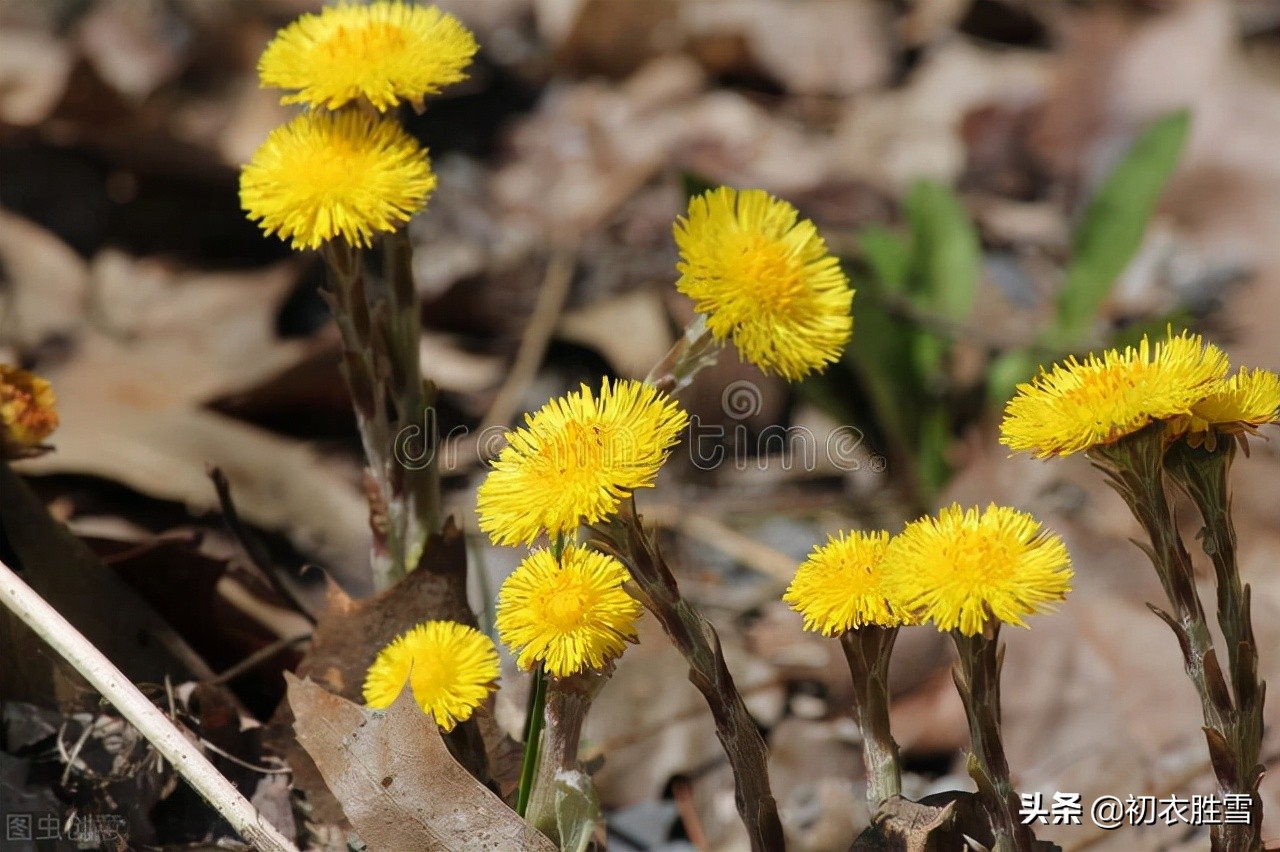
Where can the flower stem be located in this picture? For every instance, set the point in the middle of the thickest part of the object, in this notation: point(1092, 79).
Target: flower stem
point(1204, 474)
point(867, 650)
point(567, 701)
point(694, 351)
point(977, 678)
point(395, 409)
point(697, 641)
point(1136, 467)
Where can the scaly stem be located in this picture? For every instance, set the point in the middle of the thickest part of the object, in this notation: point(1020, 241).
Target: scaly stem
point(1136, 467)
point(380, 327)
point(1204, 474)
point(567, 701)
point(977, 677)
point(697, 641)
point(867, 650)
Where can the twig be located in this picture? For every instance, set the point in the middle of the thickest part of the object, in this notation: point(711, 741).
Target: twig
point(252, 545)
point(135, 707)
point(533, 345)
point(257, 658)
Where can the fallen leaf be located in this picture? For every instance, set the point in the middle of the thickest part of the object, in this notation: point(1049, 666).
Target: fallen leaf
point(350, 633)
point(396, 780)
point(132, 403)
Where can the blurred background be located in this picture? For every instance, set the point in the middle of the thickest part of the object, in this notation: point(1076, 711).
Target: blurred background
point(1008, 181)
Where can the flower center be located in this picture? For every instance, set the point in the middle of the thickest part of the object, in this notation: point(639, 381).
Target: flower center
point(365, 42)
point(773, 272)
point(431, 677)
point(564, 610)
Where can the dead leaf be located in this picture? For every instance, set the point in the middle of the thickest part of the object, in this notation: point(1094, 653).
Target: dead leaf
point(132, 403)
point(34, 68)
point(63, 571)
point(632, 332)
point(811, 47)
point(350, 633)
point(396, 780)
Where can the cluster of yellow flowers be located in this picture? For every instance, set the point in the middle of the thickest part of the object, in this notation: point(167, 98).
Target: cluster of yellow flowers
point(959, 571)
point(767, 283)
point(343, 168)
point(1181, 382)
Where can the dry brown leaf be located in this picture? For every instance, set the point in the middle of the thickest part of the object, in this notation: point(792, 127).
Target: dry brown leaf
point(64, 572)
point(134, 45)
point(811, 47)
point(131, 403)
point(893, 137)
point(34, 68)
point(350, 633)
point(47, 280)
point(396, 780)
point(632, 332)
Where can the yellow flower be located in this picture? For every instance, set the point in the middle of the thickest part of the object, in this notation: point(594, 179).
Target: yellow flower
point(1077, 405)
point(385, 53)
point(841, 585)
point(964, 568)
point(325, 175)
point(451, 668)
point(1236, 406)
point(765, 279)
point(576, 459)
point(569, 616)
point(28, 412)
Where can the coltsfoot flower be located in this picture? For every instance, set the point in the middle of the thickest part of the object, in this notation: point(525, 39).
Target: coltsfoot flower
point(964, 568)
point(450, 667)
point(764, 278)
point(1079, 405)
point(327, 175)
point(383, 53)
point(576, 459)
point(841, 585)
point(28, 409)
point(1235, 407)
point(569, 615)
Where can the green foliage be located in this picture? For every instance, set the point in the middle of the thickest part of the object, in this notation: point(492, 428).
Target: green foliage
point(1111, 230)
point(918, 284)
point(932, 271)
point(1105, 241)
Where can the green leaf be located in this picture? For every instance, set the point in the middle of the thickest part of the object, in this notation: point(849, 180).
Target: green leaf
point(888, 256)
point(1114, 223)
point(947, 256)
point(1007, 371)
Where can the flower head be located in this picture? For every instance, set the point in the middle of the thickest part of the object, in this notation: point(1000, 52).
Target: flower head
point(964, 568)
point(576, 459)
point(1236, 406)
point(841, 585)
point(765, 279)
point(451, 668)
point(325, 175)
point(1076, 405)
point(571, 615)
point(28, 412)
point(385, 53)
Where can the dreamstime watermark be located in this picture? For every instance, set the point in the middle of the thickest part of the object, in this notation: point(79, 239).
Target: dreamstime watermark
point(710, 445)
